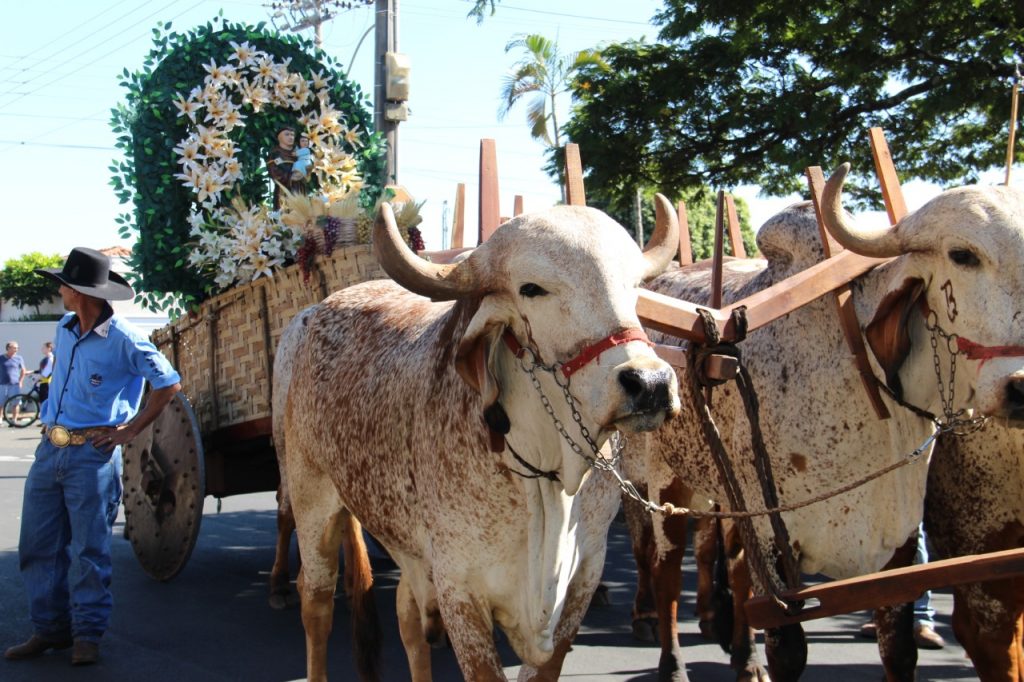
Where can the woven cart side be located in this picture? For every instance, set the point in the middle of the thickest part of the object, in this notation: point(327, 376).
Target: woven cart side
point(224, 352)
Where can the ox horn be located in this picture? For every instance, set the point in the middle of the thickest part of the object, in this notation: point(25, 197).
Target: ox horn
point(439, 282)
point(878, 242)
point(664, 242)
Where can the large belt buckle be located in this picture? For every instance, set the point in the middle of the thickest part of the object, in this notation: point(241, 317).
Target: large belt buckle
point(59, 436)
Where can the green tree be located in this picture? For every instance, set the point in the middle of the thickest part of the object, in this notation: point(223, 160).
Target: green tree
point(754, 92)
point(543, 73)
point(478, 9)
point(20, 284)
point(701, 211)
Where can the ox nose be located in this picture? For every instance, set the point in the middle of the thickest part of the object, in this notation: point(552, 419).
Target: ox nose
point(1015, 397)
point(648, 389)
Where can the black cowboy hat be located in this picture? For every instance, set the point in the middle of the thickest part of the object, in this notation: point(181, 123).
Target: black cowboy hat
point(88, 271)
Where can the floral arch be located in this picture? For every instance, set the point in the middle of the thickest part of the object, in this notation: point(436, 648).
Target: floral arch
point(197, 129)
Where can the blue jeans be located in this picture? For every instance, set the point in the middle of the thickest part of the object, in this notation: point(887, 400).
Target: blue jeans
point(924, 614)
point(71, 501)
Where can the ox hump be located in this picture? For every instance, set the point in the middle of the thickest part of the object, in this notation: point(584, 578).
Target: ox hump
point(790, 239)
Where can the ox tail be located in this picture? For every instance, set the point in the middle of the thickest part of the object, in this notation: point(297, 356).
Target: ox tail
point(721, 594)
point(366, 632)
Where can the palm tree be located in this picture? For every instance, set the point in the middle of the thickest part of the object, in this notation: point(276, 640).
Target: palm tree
point(544, 73)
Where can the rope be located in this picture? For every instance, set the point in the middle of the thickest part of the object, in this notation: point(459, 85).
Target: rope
point(672, 510)
point(755, 557)
point(763, 464)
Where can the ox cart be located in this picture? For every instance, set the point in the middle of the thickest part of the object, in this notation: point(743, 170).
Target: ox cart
point(215, 437)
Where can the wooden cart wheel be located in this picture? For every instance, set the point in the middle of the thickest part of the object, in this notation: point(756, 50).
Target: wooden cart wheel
point(164, 486)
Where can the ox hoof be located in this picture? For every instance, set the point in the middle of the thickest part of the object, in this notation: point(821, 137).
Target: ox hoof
point(600, 597)
point(645, 630)
point(707, 629)
point(279, 601)
point(671, 669)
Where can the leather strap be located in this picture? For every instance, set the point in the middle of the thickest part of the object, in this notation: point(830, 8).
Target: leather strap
point(588, 354)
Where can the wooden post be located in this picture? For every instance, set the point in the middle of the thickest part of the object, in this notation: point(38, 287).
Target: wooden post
point(719, 253)
point(268, 353)
point(1013, 128)
point(517, 205)
point(735, 238)
point(891, 192)
point(844, 303)
point(488, 208)
point(574, 195)
point(895, 586)
point(685, 249)
point(459, 217)
point(638, 228)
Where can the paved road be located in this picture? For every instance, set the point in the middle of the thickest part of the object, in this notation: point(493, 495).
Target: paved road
point(212, 622)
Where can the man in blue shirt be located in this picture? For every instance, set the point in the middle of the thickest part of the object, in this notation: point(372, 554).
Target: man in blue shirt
point(12, 373)
point(73, 489)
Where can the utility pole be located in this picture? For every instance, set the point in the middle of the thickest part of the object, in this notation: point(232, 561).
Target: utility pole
point(296, 15)
point(386, 41)
point(391, 69)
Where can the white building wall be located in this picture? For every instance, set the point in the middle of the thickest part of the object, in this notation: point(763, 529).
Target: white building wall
point(30, 335)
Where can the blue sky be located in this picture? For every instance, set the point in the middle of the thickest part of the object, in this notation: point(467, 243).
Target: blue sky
point(58, 80)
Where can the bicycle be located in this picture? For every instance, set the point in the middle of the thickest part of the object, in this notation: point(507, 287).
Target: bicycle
point(27, 406)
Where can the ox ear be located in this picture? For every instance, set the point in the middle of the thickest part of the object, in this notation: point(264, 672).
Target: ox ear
point(888, 333)
point(474, 361)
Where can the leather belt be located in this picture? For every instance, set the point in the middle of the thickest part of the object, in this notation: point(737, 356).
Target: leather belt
point(61, 436)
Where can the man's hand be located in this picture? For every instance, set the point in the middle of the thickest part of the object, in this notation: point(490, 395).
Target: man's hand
point(117, 435)
point(124, 433)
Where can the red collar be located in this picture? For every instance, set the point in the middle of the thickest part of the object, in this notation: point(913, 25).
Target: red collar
point(591, 352)
point(976, 351)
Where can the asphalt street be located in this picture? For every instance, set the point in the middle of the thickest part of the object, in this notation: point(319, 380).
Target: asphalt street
point(212, 622)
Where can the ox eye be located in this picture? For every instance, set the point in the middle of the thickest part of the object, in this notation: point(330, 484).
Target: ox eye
point(531, 290)
point(964, 257)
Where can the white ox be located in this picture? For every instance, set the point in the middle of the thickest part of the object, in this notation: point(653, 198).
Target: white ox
point(383, 423)
point(961, 255)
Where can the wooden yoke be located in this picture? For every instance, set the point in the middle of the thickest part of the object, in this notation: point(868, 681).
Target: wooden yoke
point(844, 303)
point(680, 318)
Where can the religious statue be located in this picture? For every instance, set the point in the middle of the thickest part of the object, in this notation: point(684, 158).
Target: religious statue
point(280, 164)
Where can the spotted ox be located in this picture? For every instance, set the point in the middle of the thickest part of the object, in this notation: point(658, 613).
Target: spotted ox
point(966, 245)
point(420, 419)
point(974, 505)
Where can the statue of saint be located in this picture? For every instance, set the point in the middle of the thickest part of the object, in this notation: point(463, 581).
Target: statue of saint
point(279, 164)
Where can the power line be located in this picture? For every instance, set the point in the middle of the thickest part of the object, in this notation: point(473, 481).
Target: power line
point(30, 143)
point(55, 116)
point(58, 39)
point(90, 49)
point(613, 20)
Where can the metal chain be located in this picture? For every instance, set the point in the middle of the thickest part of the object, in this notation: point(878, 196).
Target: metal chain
point(595, 459)
point(953, 422)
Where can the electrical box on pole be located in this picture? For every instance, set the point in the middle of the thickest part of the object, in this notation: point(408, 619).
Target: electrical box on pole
point(397, 67)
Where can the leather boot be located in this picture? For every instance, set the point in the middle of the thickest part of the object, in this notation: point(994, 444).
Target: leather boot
point(84, 652)
point(35, 646)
